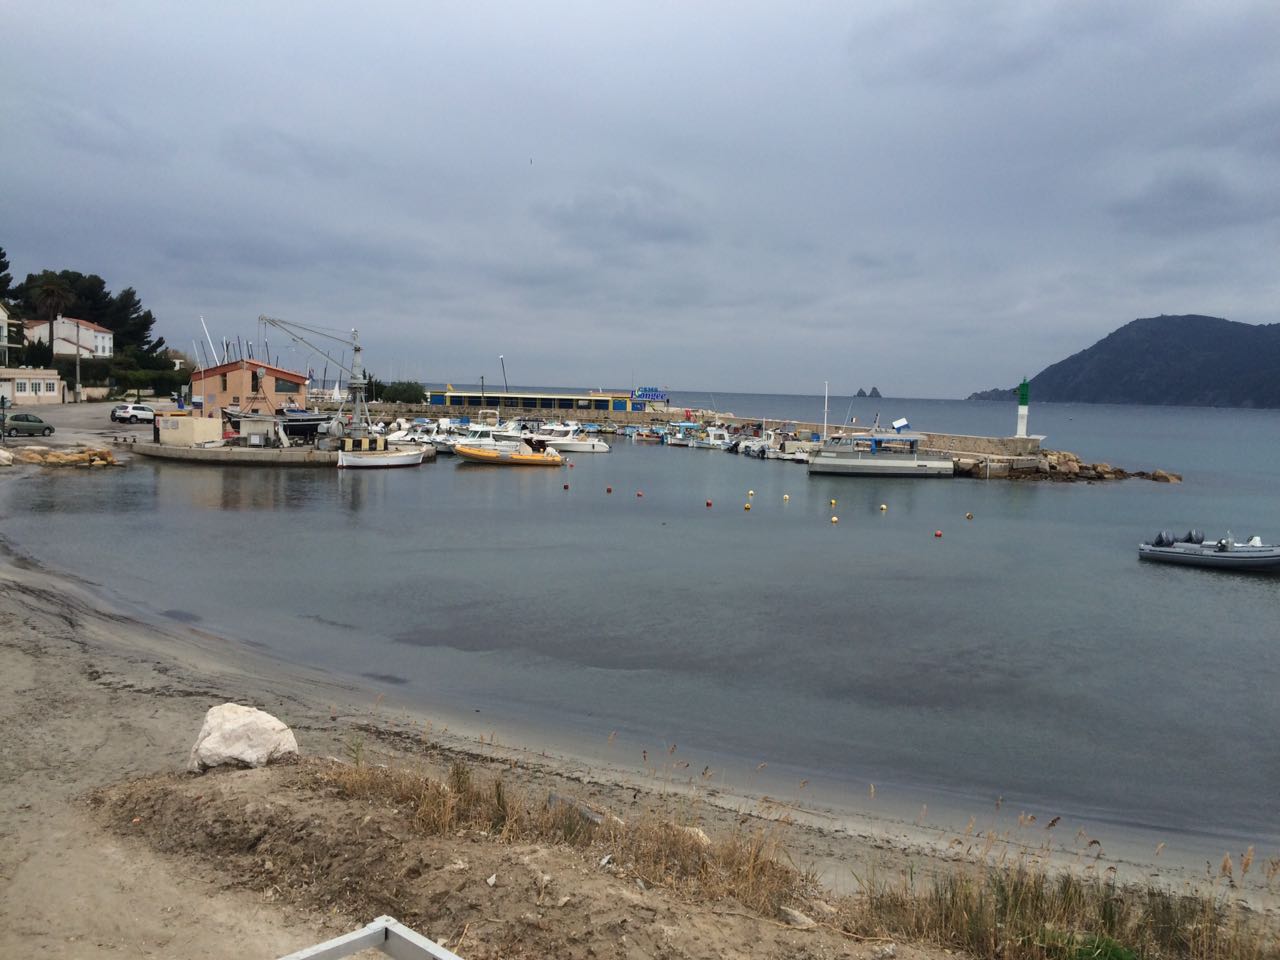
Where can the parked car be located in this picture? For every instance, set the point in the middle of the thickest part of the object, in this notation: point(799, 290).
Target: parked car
point(27, 423)
point(132, 413)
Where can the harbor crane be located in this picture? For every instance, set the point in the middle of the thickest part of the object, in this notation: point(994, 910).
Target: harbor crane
point(361, 423)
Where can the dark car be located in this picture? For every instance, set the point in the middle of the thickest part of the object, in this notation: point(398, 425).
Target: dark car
point(27, 423)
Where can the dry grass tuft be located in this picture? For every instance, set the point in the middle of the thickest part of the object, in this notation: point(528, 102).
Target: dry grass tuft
point(1027, 913)
point(749, 865)
point(991, 909)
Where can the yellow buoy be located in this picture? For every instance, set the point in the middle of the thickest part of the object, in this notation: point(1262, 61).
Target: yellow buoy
point(884, 507)
point(786, 497)
point(746, 506)
point(833, 502)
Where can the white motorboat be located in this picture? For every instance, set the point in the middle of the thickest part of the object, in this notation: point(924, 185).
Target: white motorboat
point(714, 438)
point(878, 453)
point(520, 428)
point(478, 435)
point(420, 432)
point(569, 437)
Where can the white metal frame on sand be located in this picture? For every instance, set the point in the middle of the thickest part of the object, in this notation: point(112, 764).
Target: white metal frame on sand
point(386, 934)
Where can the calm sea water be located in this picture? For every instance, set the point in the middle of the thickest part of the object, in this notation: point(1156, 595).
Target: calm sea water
point(1026, 653)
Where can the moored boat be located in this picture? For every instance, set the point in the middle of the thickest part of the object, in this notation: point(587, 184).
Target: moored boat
point(398, 457)
point(1223, 554)
point(522, 456)
point(878, 454)
point(569, 437)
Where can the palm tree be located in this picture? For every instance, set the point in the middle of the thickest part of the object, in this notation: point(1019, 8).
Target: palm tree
point(52, 295)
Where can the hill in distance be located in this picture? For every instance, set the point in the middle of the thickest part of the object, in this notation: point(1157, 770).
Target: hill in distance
point(1190, 360)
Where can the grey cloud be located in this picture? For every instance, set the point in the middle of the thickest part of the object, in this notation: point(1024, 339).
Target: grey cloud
point(1193, 202)
point(870, 265)
point(631, 216)
point(94, 129)
point(972, 44)
point(271, 152)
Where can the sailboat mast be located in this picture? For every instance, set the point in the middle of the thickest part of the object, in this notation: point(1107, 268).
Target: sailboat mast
point(826, 400)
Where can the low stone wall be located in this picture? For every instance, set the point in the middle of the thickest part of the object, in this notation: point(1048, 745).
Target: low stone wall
point(957, 444)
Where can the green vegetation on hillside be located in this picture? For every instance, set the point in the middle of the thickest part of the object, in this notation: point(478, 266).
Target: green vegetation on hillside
point(1190, 360)
point(140, 360)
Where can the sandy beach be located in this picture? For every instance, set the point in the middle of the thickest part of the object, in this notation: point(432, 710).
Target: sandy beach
point(107, 848)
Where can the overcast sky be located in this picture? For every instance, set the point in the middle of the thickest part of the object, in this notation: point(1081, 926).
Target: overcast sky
point(932, 197)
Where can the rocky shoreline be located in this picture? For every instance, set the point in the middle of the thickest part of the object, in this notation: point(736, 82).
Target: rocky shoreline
point(1059, 466)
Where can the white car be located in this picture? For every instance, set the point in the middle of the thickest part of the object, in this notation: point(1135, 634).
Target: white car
point(132, 413)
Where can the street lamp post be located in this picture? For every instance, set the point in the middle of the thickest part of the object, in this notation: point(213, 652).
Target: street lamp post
point(77, 358)
point(506, 388)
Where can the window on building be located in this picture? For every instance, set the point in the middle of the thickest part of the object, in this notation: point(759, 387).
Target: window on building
point(35, 386)
point(287, 386)
point(224, 381)
point(255, 382)
point(51, 386)
point(20, 386)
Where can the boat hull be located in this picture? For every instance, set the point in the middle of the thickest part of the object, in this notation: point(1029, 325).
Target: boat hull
point(578, 446)
point(880, 465)
point(507, 458)
point(379, 459)
point(1238, 557)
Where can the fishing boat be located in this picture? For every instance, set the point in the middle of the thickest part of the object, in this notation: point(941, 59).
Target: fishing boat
point(353, 435)
point(522, 456)
point(1224, 554)
point(397, 457)
point(878, 453)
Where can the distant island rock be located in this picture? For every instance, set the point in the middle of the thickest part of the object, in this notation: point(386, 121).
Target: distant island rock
point(1190, 360)
point(875, 392)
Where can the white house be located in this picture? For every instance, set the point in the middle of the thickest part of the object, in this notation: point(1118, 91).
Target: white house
point(71, 335)
point(27, 385)
point(4, 336)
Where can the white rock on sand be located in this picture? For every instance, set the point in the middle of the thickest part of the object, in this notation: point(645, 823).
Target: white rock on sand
point(237, 734)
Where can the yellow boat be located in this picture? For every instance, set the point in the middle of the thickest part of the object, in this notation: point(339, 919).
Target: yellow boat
point(522, 456)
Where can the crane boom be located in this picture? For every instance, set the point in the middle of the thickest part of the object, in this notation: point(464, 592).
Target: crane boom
point(299, 332)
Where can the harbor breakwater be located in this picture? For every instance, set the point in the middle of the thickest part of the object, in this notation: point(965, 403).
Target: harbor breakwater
point(978, 457)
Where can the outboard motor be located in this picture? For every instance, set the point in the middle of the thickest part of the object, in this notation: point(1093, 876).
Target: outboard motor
point(1194, 536)
point(1163, 539)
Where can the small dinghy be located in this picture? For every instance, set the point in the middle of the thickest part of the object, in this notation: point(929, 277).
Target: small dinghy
point(1224, 554)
